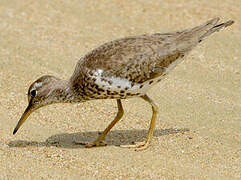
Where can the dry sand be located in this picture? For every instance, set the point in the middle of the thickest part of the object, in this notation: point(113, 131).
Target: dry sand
point(198, 132)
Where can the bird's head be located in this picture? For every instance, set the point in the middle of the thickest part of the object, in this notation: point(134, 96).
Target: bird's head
point(45, 90)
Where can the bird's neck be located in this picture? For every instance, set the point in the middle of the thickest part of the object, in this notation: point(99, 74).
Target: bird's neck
point(66, 93)
point(62, 92)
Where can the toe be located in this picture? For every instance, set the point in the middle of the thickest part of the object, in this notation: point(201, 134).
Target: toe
point(135, 145)
point(80, 142)
point(128, 146)
point(95, 144)
point(89, 145)
point(141, 148)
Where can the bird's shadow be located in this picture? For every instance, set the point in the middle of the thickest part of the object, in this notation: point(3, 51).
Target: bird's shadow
point(115, 137)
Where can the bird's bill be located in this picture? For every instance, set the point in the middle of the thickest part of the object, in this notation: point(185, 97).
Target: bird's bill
point(25, 115)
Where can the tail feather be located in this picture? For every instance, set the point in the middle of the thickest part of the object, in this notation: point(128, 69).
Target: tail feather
point(191, 37)
point(216, 28)
point(205, 29)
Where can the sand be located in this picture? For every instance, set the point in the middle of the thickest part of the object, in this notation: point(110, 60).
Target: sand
point(198, 131)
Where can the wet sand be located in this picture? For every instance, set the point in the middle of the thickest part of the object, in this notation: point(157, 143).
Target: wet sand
point(198, 131)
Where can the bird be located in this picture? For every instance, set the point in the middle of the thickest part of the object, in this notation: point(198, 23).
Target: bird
point(120, 69)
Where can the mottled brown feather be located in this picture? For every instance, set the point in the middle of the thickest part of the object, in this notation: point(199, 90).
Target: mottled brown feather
point(141, 58)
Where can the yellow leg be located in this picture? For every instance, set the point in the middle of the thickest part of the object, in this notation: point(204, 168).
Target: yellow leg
point(100, 140)
point(143, 145)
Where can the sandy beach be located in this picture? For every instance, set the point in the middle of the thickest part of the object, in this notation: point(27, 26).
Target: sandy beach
point(198, 130)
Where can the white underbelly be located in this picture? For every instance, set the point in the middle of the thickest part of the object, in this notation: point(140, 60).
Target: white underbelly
point(122, 85)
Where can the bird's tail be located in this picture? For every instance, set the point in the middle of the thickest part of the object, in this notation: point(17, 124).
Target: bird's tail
point(191, 37)
point(213, 27)
point(209, 27)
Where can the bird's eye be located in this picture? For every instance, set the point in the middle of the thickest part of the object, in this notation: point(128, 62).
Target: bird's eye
point(33, 93)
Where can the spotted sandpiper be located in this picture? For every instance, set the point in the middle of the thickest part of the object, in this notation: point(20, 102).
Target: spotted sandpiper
point(120, 69)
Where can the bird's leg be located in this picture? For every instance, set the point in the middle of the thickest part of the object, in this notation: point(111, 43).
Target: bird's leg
point(143, 145)
point(100, 140)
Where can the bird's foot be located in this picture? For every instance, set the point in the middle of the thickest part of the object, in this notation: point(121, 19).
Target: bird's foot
point(139, 146)
point(91, 144)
